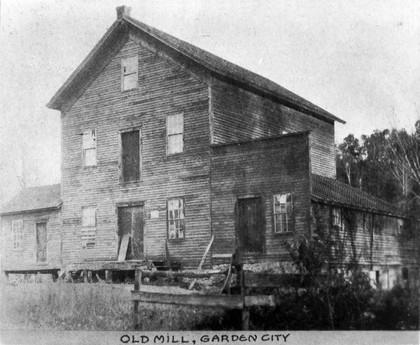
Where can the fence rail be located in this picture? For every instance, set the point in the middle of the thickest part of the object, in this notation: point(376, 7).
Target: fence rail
point(241, 301)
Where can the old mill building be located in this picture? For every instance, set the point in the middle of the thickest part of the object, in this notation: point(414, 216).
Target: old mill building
point(165, 145)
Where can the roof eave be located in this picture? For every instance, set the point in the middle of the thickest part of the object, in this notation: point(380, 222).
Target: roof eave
point(57, 101)
point(51, 208)
point(370, 210)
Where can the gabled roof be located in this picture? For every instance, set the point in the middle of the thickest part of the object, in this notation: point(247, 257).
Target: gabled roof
point(329, 190)
point(34, 199)
point(215, 65)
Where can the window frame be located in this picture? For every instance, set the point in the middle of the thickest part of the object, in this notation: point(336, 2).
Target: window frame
point(120, 157)
point(289, 214)
point(95, 148)
point(17, 238)
point(124, 74)
point(337, 219)
point(175, 134)
point(88, 231)
point(176, 239)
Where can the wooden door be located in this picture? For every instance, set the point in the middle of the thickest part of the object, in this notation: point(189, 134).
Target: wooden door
point(131, 222)
point(250, 229)
point(41, 242)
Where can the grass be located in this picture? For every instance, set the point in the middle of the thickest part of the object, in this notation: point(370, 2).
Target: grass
point(99, 306)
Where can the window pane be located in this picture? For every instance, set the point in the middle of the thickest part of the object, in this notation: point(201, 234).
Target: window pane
point(89, 139)
point(89, 216)
point(130, 65)
point(175, 124)
point(90, 157)
point(175, 143)
point(130, 82)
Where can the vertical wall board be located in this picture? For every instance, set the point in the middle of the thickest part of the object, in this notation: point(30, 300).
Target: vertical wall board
point(164, 88)
point(26, 258)
point(259, 169)
point(239, 115)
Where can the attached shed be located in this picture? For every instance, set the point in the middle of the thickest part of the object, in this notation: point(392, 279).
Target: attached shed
point(365, 229)
point(31, 231)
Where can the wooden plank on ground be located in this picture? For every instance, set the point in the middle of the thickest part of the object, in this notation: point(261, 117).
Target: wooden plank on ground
point(231, 302)
point(202, 261)
point(185, 274)
point(123, 247)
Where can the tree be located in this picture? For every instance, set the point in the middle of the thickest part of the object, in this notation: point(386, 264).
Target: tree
point(351, 154)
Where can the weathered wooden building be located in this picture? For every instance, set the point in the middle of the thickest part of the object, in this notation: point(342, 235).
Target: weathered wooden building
point(31, 231)
point(165, 145)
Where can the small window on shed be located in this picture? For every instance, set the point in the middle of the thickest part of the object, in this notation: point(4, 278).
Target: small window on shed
point(400, 227)
point(175, 133)
point(17, 234)
point(176, 219)
point(88, 226)
point(283, 213)
point(336, 217)
point(89, 148)
point(129, 71)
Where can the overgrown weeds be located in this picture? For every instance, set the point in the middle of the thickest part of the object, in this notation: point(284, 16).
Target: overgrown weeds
point(99, 306)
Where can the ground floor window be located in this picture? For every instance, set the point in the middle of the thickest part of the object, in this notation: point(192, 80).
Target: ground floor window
point(17, 234)
point(283, 213)
point(176, 218)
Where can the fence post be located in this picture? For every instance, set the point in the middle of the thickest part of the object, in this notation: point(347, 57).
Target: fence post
point(136, 314)
point(108, 276)
point(244, 292)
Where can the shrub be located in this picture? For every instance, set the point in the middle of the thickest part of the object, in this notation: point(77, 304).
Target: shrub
point(396, 309)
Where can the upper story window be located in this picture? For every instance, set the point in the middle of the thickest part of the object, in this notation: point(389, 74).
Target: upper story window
point(129, 73)
point(130, 156)
point(175, 133)
point(17, 234)
point(336, 217)
point(89, 148)
point(89, 226)
point(176, 218)
point(283, 213)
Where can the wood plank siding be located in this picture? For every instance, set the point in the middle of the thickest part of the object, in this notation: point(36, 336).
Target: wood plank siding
point(259, 169)
point(25, 258)
point(164, 88)
point(373, 239)
point(239, 115)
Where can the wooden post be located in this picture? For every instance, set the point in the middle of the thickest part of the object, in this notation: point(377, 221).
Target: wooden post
point(245, 310)
point(108, 276)
point(202, 261)
point(89, 276)
point(136, 313)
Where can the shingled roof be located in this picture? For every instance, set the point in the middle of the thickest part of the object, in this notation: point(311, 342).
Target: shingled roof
point(329, 190)
point(211, 63)
point(34, 198)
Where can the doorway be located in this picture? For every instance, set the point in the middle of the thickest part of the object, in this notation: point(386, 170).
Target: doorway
point(250, 225)
point(130, 232)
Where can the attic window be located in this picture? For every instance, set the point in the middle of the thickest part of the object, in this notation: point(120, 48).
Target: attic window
point(129, 73)
point(17, 234)
point(283, 213)
point(89, 148)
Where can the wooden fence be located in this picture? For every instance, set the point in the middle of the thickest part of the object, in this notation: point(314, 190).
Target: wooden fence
point(242, 301)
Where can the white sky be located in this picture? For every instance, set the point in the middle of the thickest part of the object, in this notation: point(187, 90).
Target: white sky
point(360, 60)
